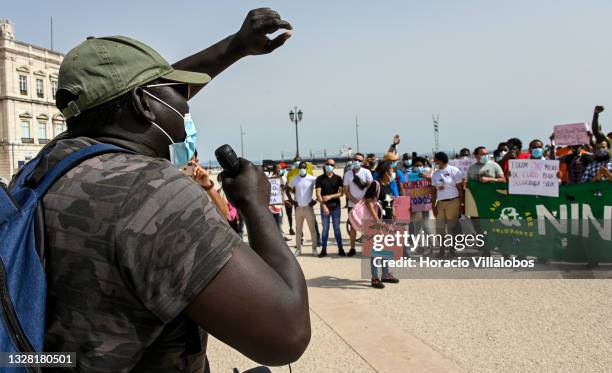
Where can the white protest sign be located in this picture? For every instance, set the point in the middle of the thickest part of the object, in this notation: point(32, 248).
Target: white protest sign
point(534, 177)
point(276, 196)
point(462, 164)
point(571, 134)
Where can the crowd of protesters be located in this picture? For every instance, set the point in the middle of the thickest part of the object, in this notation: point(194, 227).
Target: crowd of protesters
point(377, 182)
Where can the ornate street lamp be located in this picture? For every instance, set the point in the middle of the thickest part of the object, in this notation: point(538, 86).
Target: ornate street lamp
point(295, 116)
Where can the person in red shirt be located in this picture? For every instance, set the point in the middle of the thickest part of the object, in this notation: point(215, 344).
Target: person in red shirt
point(514, 152)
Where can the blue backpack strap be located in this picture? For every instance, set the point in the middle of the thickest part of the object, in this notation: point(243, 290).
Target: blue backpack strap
point(72, 160)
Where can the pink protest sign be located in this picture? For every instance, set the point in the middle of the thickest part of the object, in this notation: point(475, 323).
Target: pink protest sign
point(401, 206)
point(383, 240)
point(571, 134)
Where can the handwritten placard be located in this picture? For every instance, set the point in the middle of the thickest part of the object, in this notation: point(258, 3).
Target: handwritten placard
point(420, 194)
point(462, 164)
point(571, 134)
point(382, 240)
point(276, 196)
point(534, 177)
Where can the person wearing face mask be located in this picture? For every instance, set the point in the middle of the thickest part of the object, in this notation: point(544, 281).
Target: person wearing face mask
point(500, 152)
point(600, 166)
point(485, 170)
point(536, 149)
point(130, 238)
point(419, 170)
point(418, 186)
point(356, 182)
point(328, 188)
point(406, 163)
point(448, 197)
point(397, 178)
point(303, 186)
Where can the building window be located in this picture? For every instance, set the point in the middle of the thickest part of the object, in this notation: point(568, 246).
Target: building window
point(53, 88)
point(23, 85)
point(40, 88)
point(25, 132)
point(58, 128)
point(42, 133)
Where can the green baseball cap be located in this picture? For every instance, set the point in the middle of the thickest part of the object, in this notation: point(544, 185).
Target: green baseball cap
point(101, 69)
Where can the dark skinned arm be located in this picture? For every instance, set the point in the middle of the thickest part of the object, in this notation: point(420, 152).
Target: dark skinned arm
point(258, 302)
point(434, 199)
point(599, 136)
point(250, 40)
point(393, 146)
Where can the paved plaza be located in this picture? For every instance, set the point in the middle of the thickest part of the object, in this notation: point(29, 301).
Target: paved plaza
point(444, 325)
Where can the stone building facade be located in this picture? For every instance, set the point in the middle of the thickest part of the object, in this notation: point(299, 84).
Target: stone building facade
point(28, 116)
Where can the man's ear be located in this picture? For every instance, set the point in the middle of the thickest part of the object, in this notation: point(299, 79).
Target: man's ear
point(142, 104)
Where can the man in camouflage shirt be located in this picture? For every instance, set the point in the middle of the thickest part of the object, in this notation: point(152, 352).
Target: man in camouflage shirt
point(140, 264)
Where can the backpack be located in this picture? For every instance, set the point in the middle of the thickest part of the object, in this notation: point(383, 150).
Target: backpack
point(360, 212)
point(23, 287)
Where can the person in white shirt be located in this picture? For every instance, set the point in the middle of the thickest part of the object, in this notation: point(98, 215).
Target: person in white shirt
point(303, 187)
point(448, 196)
point(356, 182)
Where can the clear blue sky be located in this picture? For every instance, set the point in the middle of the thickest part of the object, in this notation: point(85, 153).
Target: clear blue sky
point(492, 70)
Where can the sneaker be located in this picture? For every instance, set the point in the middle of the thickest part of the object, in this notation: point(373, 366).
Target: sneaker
point(292, 232)
point(297, 253)
point(351, 252)
point(390, 279)
point(377, 284)
point(323, 253)
point(341, 252)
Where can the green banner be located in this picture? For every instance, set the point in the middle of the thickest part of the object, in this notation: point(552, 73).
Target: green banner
point(574, 227)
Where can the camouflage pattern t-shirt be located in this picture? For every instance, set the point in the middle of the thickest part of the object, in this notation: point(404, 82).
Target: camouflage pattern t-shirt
point(131, 242)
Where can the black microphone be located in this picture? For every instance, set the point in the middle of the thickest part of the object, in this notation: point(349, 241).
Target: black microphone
point(228, 160)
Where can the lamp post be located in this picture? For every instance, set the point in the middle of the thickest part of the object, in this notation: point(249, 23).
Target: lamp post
point(436, 127)
point(357, 132)
point(295, 116)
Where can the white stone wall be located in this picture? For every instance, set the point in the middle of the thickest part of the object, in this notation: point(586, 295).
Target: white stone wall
point(17, 58)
